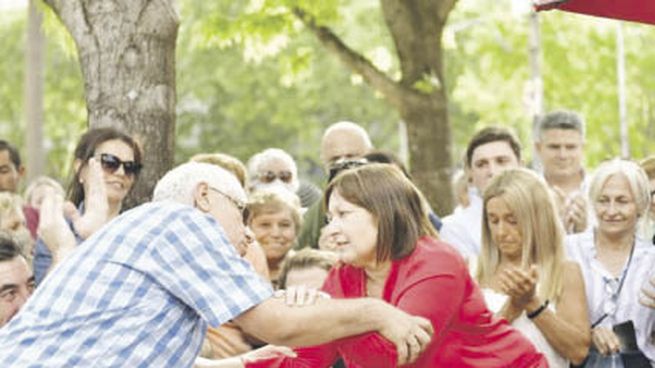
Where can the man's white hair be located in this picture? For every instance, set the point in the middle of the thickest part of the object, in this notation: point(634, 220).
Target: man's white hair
point(179, 183)
point(258, 164)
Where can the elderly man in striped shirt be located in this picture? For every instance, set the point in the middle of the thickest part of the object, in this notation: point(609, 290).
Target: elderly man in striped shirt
point(141, 291)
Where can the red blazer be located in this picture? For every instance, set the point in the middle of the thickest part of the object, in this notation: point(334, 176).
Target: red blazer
point(432, 282)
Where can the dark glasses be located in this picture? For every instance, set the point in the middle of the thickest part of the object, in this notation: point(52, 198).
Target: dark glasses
point(111, 163)
point(340, 166)
point(270, 176)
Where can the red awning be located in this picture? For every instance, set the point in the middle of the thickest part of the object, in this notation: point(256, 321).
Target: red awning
point(642, 11)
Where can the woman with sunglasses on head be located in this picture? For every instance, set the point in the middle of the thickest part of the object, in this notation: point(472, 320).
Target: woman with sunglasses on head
point(106, 165)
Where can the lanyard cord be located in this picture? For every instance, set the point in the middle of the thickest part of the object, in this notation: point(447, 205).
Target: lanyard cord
point(616, 294)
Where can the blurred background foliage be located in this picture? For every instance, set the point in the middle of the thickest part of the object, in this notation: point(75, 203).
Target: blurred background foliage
point(250, 77)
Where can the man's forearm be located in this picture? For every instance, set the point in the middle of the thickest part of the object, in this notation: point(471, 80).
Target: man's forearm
point(275, 322)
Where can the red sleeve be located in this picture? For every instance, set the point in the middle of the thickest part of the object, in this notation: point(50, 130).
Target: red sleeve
point(320, 356)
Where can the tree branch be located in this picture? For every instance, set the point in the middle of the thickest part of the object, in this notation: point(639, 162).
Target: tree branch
point(352, 59)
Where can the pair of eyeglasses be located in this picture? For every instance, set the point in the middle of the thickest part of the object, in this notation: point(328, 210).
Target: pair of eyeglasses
point(270, 176)
point(241, 206)
point(110, 163)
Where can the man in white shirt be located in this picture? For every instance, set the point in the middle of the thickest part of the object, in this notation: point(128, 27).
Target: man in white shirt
point(490, 151)
point(560, 146)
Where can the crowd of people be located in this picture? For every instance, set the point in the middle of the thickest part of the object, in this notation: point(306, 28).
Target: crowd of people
point(249, 265)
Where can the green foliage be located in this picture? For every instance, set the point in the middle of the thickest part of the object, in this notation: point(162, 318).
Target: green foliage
point(64, 106)
point(428, 84)
point(488, 71)
point(240, 99)
point(12, 26)
point(250, 76)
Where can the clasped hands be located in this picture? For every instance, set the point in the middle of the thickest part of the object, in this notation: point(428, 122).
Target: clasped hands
point(573, 211)
point(520, 285)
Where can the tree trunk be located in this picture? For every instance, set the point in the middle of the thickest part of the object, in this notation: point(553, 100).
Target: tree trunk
point(429, 137)
point(127, 54)
point(416, 27)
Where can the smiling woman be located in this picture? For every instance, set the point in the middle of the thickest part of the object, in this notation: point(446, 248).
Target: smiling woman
point(106, 164)
point(615, 263)
point(274, 218)
point(388, 250)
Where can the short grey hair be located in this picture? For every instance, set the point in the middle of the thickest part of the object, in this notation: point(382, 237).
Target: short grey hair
point(634, 174)
point(258, 162)
point(561, 119)
point(179, 183)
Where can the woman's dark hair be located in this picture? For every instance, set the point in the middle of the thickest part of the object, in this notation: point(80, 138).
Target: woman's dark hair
point(394, 201)
point(86, 148)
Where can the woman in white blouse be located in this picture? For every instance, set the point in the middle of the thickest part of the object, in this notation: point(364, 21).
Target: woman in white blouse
point(522, 269)
point(616, 263)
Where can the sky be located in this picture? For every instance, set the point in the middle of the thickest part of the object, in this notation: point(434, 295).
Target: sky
point(12, 4)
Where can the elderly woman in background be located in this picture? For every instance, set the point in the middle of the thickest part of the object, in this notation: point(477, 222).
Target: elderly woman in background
point(38, 188)
point(272, 168)
point(274, 218)
point(107, 162)
point(615, 264)
point(522, 268)
point(12, 222)
point(387, 249)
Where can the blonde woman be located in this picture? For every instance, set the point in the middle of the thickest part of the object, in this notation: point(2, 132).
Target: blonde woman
point(274, 218)
point(522, 269)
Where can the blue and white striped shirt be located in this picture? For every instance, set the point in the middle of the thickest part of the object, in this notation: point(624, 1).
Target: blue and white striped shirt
point(138, 293)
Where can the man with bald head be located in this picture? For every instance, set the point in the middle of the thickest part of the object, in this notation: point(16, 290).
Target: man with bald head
point(341, 142)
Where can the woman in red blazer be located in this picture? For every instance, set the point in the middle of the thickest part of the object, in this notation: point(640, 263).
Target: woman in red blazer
point(388, 249)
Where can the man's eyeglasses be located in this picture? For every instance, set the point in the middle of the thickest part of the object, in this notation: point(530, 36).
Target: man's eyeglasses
point(241, 206)
point(111, 163)
point(270, 176)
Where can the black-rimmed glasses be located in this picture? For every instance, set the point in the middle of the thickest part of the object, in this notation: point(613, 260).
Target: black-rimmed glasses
point(340, 166)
